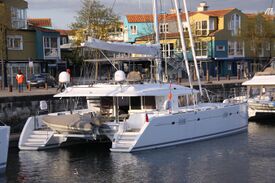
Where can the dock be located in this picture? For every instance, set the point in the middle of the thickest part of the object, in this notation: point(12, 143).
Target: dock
point(37, 93)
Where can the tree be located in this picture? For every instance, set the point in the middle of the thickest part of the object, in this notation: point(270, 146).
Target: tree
point(94, 20)
point(258, 32)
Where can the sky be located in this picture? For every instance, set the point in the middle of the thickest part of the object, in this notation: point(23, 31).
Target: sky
point(63, 12)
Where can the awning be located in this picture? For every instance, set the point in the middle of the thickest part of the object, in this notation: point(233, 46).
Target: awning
point(261, 81)
point(152, 49)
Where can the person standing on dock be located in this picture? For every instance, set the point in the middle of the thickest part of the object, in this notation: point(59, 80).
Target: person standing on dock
point(20, 79)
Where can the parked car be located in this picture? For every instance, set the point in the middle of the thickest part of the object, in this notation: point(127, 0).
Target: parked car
point(38, 80)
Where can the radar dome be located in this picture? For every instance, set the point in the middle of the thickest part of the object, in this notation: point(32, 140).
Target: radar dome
point(119, 76)
point(64, 77)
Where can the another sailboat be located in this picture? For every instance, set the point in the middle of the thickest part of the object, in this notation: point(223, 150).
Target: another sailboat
point(260, 93)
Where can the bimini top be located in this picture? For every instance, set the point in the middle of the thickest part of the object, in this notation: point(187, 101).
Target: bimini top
point(127, 90)
point(266, 80)
point(152, 49)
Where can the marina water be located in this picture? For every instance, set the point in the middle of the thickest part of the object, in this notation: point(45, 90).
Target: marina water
point(245, 157)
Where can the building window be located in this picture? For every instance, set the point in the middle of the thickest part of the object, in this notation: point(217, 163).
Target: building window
point(167, 50)
point(212, 24)
point(231, 48)
point(15, 42)
point(64, 40)
point(51, 47)
point(163, 28)
point(235, 48)
point(261, 50)
point(201, 28)
point(220, 48)
point(235, 24)
point(268, 47)
point(239, 48)
point(201, 49)
point(185, 26)
point(18, 18)
point(133, 29)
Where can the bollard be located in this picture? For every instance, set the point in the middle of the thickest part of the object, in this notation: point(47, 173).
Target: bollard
point(46, 86)
point(228, 77)
point(207, 76)
point(10, 88)
point(29, 86)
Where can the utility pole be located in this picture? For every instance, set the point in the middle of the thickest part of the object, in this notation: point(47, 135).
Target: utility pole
point(2, 51)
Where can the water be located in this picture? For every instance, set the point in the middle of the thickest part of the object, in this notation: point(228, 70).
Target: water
point(246, 157)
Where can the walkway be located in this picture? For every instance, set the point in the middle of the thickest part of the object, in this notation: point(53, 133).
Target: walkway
point(33, 92)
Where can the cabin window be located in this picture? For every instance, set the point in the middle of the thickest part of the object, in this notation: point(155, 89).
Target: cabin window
point(191, 100)
point(106, 105)
point(149, 102)
point(123, 104)
point(135, 103)
point(182, 101)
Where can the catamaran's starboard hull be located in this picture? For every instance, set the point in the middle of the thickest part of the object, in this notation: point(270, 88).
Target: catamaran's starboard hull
point(188, 127)
point(4, 147)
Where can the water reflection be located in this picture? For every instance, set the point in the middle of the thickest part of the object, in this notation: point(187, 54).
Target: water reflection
point(246, 157)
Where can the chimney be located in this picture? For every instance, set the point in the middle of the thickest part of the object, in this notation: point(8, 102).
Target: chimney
point(173, 11)
point(203, 6)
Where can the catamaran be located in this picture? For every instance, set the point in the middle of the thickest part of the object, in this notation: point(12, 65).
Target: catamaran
point(135, 114)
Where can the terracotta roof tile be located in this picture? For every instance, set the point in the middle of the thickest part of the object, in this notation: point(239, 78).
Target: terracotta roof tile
point(143, 18)
point(64, 32)
point(217, 12)
point(40, 22)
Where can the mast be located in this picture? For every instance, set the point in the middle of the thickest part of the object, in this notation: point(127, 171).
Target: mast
point(156, 28)
point(192, 44)
point(183, 42)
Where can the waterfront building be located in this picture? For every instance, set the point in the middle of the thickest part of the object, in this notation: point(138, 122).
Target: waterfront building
point(31, 45)
point(220, 45)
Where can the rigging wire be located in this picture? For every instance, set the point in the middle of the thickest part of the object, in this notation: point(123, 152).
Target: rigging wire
point(114, 3)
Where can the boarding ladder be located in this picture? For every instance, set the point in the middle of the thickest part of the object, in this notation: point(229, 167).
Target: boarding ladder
point(124, 142)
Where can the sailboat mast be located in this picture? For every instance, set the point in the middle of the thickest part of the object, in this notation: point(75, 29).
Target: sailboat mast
point(183, 43)
point(192, 44)
point(156, 28)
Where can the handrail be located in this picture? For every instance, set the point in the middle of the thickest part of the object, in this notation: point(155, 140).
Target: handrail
point(4, 124)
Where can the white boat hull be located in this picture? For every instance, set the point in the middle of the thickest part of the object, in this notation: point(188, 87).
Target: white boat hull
point(4, 147)
point(258, 109)
point(187, 127)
